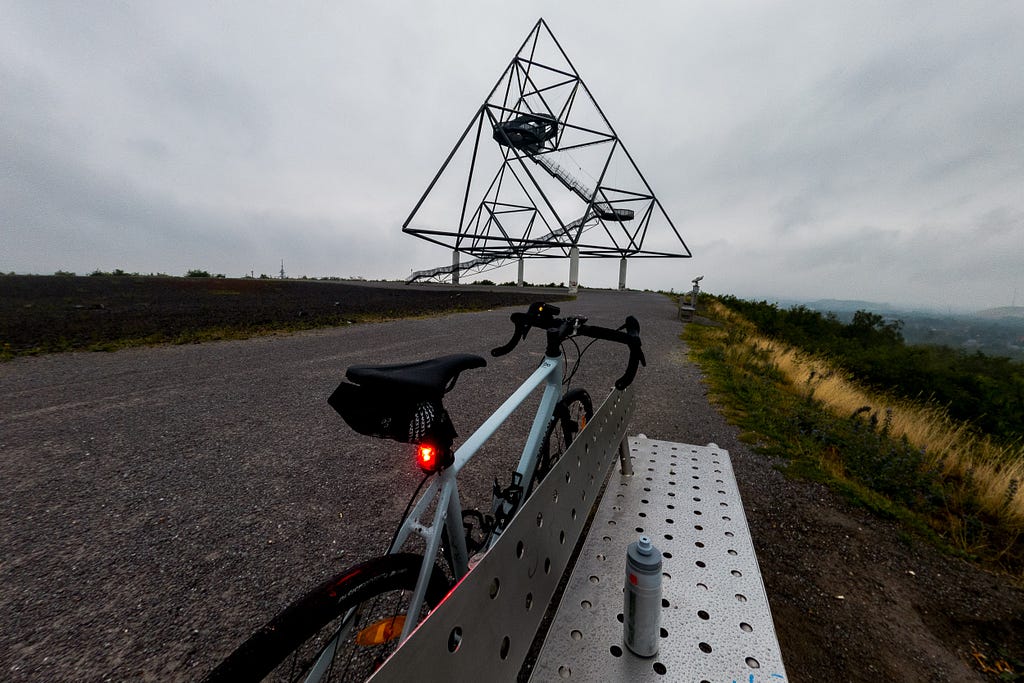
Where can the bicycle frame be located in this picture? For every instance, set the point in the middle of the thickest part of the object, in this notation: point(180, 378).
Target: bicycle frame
point(445, 490)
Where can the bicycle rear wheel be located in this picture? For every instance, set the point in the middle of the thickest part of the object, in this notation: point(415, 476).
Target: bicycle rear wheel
point(342, 630)
point(571, 415)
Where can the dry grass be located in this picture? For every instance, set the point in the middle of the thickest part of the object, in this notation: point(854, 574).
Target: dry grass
point(993, 474)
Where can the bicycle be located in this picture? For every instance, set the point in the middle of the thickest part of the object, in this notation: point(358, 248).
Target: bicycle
point(358, 617)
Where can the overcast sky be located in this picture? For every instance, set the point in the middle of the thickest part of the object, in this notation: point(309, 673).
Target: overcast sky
point(854, 150)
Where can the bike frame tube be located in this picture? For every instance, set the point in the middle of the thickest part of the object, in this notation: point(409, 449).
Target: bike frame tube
point(429, 556)
point(552, 392)
point(550, 371)
point(445, 489)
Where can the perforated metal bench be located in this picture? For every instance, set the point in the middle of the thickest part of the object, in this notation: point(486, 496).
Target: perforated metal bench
point(716, 623)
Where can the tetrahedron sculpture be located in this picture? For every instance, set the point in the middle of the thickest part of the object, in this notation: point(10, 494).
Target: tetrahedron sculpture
point(540, 173)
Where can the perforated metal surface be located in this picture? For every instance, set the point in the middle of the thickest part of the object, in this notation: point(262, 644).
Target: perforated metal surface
point(484, 628)
point(716, 623)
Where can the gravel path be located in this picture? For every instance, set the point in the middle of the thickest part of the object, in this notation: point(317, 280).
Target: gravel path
point(161, 503)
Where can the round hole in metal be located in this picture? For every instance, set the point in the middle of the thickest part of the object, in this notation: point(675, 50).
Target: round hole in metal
point(506, 644)
point(455, 639)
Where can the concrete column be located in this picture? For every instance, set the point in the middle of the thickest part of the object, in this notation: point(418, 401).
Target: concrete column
point(520, 281)
point(622, 273)
point(455, 266)
point(574, 270)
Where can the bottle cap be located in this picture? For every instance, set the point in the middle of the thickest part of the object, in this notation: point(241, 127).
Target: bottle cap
point(643, 546)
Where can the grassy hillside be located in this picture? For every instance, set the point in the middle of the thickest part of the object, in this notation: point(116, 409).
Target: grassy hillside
point(847, 405)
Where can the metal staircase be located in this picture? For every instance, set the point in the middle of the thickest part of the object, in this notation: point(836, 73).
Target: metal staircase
point(602, 210)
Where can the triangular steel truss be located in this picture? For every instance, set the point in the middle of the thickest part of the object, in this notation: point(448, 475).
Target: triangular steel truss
point(538, 171)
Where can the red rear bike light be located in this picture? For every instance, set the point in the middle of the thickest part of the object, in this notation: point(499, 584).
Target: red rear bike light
point(427, 457)
point(433, 458)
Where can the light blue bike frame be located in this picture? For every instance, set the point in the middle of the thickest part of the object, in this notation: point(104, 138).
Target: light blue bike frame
point(445, 490)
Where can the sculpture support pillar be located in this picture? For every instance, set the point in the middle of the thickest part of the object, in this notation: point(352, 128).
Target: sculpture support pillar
point(455, 267)
point(574, 270)
point(622, 273)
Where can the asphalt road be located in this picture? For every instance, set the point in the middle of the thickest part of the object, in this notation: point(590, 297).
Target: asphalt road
point(159, 504)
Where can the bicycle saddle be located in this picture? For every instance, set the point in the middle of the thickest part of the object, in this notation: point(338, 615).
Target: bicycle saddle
point(435, 376)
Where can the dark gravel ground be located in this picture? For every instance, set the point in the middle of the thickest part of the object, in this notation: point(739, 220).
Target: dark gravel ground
point(159, 504)
point(44, 313)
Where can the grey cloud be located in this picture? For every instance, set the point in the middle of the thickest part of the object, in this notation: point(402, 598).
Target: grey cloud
point(798, 146)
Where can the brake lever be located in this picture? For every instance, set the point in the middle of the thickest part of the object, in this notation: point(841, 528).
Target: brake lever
point(522, 326)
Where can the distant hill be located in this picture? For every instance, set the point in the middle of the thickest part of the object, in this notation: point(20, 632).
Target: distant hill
point(1001, 312)
point(847, 306)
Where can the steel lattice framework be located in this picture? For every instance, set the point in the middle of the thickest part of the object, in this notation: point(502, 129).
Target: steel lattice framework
point(539, 172)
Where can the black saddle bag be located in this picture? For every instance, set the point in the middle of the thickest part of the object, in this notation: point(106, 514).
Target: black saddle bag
point(409, 419)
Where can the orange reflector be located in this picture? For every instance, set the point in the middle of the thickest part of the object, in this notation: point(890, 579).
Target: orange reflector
point(381, 632)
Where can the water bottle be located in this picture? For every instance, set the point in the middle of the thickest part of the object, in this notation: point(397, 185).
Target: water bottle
point(641, 612)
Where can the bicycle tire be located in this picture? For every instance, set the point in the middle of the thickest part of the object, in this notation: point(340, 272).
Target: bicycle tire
point(571, 415)
point(345, 603)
